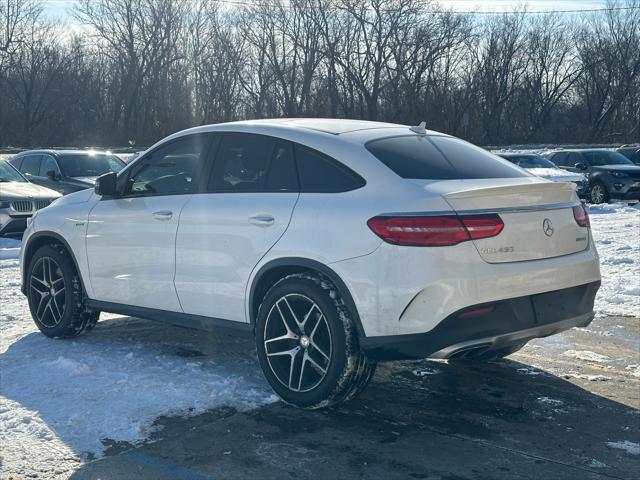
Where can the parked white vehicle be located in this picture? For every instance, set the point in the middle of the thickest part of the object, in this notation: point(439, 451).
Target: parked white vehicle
point(545, 168)
point(338, 243)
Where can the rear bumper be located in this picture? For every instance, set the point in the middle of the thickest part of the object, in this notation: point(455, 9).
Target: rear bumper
point(512, 321)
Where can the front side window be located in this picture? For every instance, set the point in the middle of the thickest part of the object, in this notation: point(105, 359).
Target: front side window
point(169, 170)
point(89, 165)
point(241, 163)
point(560, 159)
point(440, 158)
point(31, 165)
point(48, 165)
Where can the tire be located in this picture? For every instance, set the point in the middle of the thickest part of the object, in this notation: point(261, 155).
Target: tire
point(55, 295)
point(307, 344)
point(598, 193)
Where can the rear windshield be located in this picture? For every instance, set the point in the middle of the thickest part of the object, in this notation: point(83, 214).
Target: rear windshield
point(440, 158)
point(89, 165)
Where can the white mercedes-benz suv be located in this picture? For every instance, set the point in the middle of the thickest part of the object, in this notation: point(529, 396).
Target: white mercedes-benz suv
point(336, 243)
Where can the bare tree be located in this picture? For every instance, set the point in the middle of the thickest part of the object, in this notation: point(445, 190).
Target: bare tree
point(141, 39)
point(610, 54)
point(15, 18)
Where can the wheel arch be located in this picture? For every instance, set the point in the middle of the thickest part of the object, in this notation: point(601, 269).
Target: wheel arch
point(279, 268)
point(39, 239)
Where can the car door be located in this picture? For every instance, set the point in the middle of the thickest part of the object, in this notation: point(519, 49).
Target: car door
point(223, 234)
point(131, 239)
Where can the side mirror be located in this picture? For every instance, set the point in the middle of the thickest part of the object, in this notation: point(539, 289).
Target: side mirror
point(581, 166)
point(52, 175)
point(107, 185)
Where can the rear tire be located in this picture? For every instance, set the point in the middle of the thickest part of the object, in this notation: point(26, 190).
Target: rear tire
point(598, 193)
point(307, 344)
point(55, 295)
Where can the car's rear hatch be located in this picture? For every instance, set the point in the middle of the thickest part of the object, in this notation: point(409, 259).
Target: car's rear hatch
point(538, 216)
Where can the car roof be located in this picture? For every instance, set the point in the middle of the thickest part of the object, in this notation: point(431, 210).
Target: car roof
point(333, 126)
point(355, 129)
point(515, 154)
point(56, 152)
point(581, 150)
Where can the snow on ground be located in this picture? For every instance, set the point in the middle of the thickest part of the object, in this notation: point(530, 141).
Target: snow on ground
point(63, 402)
point(9, 248)
point(59, 399)
point(616, 230)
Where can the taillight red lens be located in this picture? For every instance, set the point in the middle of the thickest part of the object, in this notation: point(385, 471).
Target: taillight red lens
point(581, 215)
point(435, 231)
point(483, 226)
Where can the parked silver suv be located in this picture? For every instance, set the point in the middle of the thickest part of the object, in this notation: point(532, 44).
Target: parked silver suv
point(19, 199)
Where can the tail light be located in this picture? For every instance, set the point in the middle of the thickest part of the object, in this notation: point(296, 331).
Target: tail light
point(436, 231)
point(581, 215)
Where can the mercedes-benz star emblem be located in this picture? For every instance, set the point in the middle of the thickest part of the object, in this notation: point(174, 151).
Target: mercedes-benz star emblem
point(547, 227)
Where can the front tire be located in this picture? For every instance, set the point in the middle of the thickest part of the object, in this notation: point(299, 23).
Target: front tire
point(598, 193)
point(307, 345)
point(55, 294)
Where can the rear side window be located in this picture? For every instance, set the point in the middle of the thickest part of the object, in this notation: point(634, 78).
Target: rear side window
point(282, 175)
point(242, 163)
point(16, 162)
point(48, 165)
point(440, 158)
point(31, 165)
point(560, 159)
point(319, 173)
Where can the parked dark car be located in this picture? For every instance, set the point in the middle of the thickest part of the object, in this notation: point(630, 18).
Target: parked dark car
point(632, 152)
point(66, 171)
point(19, 199)
point(611, 174)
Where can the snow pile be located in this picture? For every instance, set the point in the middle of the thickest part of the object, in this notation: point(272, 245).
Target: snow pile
point(61, 398)
point(629, 447)
point(587, 356)
point(9, 248)
point(558, 174)
point(616, 229)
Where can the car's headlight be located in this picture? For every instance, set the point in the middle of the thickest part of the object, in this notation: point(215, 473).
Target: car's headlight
point(4, 203)
point(619, 174)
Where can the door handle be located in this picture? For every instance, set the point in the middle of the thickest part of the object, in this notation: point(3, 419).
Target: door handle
point(262, 220)
point(163, 215)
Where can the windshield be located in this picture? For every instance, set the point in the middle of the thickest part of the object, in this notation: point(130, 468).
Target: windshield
point(531, 161)
point(606, 157)
point(89, 165)
point(10, 174)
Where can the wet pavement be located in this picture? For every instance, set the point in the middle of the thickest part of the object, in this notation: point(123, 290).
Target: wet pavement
point(565, 407)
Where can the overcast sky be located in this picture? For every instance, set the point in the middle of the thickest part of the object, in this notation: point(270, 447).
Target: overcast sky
point(59, 8)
